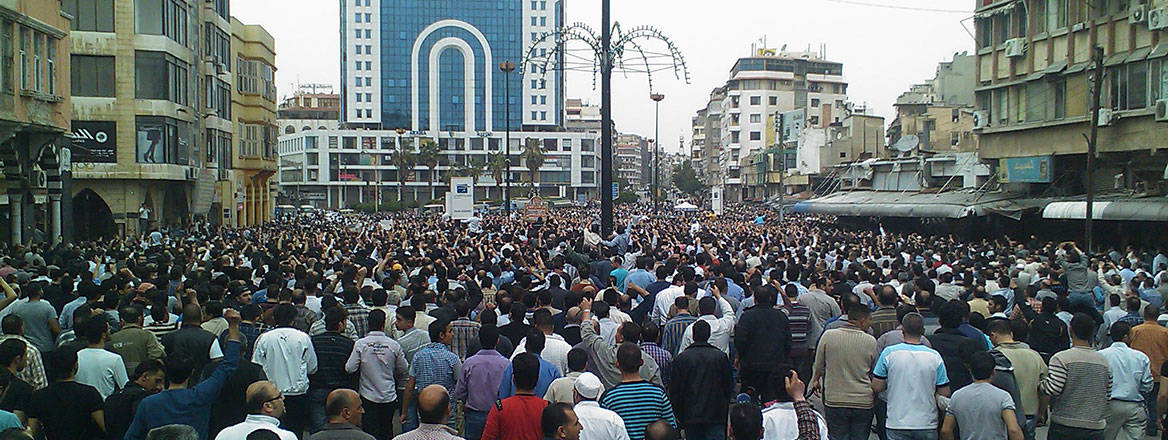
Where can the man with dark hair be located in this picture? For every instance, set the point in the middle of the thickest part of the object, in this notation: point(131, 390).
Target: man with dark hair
point(745, 422)
point(558, 421)
point(133, 343)
point(1151, 338)
point(560, 389)
point(1131, 378)
point(33, 372)
point(763, 341)
point(433, 410)
point(287, 355)
point(648, 343)
point(555, 348)
point(1079, 385)
point(180, 404)
point(674, 329)
point(16, 392)
point(547, 372)
point(844, 382)
point(912, 374)
point(955, 348)
point(1048, 334)
point(358, 312)
point(517, 417)
point(981, 410)
point(1028, 369)
point(265, 406)
point(433, 364)
point(476, 381)
point(602, 354)
point(215, 322)
point(120, 406)
point(345, 415)
point(410, 337)
point(702, 387)
point(39, 317)
point(66, 409)
point(192, 341)
point(332, 352)
point(791, 416)
point(96, 366)
point(463, 329)
point(638, 402)
point(382, 364)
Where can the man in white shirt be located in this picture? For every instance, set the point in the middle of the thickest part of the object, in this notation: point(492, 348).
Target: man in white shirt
point(913, 374)
point(383, 365)
point(721, 329)
point(96, 366)
point(599, 423)
point(265, 406)
point(681, 286)
point(555, 348)
point(287, 356)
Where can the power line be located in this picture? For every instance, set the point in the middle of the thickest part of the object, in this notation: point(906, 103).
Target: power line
point(902, 8)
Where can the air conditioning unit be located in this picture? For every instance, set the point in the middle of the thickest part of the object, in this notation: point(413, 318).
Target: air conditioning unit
point(1158, 18)
point(1162, 110)
point(1107, 116)
point(1015, 47)
point(981, 119)
point(1137, 14)
point(38, 179)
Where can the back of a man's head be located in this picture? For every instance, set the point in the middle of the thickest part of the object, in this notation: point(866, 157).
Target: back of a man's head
point(745, 421)
point(913, 325)
point(433, 402)
point(525, 371)
point(628, 357)
point(661, 430)
point(701, 331)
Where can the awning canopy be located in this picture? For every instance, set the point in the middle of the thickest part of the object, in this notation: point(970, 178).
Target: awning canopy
point(953, 204)
point(686, 206)
point(1149, 210)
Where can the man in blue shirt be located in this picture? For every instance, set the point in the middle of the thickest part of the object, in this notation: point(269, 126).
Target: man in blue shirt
point(547, 371)
point(1131, 379)
point(188, 406)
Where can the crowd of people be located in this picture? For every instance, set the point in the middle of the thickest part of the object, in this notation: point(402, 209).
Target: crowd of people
point(677, 325)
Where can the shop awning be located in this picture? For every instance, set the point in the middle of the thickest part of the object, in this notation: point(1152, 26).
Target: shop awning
point(1146, 210)
point(953, 204)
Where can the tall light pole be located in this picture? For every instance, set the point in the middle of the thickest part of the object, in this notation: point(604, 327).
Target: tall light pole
point(605, 118)
point(400, 132)
point(507, 67)
point(656, 97)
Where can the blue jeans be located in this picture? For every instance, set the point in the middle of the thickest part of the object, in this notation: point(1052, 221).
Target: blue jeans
point(316, 416)
point(911, 434)
point(473, 422)
point(848, 423)
point(705, 432)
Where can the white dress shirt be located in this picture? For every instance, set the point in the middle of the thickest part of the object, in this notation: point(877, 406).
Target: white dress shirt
point(287, 357)
point(254, 422)
point(721, 329)
point(555, 351)
point(600, 423)
point(665, 298)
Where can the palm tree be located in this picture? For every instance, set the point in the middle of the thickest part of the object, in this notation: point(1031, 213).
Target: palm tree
point(406, 160)
point(533, 156)
point(497, 166)
point(428, 154)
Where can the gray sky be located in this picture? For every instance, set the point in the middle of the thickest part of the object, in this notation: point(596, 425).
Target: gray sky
point(884, 49)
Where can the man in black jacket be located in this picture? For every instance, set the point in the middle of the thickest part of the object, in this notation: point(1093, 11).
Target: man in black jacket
point(763, 341)
point(119, 406)
point(955, 348)
point(701, 386)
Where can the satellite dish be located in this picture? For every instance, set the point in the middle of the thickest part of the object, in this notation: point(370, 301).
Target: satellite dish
point(906, 143)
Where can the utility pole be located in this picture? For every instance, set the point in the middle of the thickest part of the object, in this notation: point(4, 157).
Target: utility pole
point(605, 118)
point(782, 159)
point(506, 67)
point(656, 97)
point(1096, 92)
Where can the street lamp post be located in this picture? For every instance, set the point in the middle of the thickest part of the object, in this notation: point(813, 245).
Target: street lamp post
point(400, 132)
point(507, 67)
point(656, 97)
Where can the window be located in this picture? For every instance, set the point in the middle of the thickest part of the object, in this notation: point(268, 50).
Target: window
point(755, 100)
point(755, 118)
point(533, 21)
point(543, 99)
point(162, 17)
point(773, 100)
point(533, 115)
point(357, 34)
point(815, 102)
point(25, 43)
point(587, 162)
point(162, 140)
point(1035, 101)
point(543, 116)
point(368, 97)
point(358, 67)
point(368, 34)
point(357, 17)
point(90, 15)
point(1058, 95)
point(1001, 28)
point(534, 99)
point(158, 75)
point(543, 5)
point(368, 18)
point(587, 145)
point(543, 21)
point(756, 135)
point(38, 50)
point(358, 97)
point(6, 75)
point(1056, 14)
point(368, 65)
point(985, 32)
point(92, 75)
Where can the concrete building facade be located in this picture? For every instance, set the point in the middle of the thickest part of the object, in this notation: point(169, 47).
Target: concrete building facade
point(939, 112)
point(247, 195)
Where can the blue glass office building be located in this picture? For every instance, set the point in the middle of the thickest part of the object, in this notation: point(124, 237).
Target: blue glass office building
point(432, 65)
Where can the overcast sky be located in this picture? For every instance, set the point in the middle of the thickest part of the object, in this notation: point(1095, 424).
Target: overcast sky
point(884, 49)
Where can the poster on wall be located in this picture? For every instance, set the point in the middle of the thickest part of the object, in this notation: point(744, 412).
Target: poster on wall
point(151, 144)
point(461, 198)
point(716, 200)
point(94, 141)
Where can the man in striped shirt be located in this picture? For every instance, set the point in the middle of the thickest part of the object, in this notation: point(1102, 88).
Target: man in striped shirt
point(674, 329)
point(637, 401)
point(1079, 384)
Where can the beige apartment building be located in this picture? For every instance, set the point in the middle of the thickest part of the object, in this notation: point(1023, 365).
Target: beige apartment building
point(247, 196)
point(34, 116)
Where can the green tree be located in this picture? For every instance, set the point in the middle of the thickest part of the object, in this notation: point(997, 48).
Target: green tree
point(533, 156)
point(405, 160)
point(497, 167)
point(428, 154)
point(686, 180)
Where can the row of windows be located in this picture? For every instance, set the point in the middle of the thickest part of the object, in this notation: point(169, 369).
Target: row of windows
point(368, 49)
point(256, 77)
point(539, 21)
point(368, 81)
point(218, 96)
point(1044, 16)
point(37, 67)
point(90, 15)
point(542, 5)
point(163, 140)
point(539, 99)
point(162, 17)
point(542, 116)
point(368, 97)
point(367, 64)
point(357, 17)
point(366, 32)
point(217, 46)
point(455, 144)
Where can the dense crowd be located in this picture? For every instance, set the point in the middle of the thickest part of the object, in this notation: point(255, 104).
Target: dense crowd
point(677, 325)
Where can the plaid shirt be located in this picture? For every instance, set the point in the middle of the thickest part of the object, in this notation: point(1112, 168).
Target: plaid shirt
point(673, 331)
point(359, 317)
point(464, 331)
point(661, 356)
point(34, 371)
point(807, 420)
point(435, 364)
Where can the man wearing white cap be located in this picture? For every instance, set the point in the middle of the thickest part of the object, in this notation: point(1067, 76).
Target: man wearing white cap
point(599, 423)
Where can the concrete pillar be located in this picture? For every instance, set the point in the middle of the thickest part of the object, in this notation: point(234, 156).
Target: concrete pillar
point(15, 204)
point(55, 218)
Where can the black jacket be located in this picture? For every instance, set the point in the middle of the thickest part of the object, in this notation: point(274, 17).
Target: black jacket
point(762, 338)
point(701, 385)
point(119, 409)
point(956, 350)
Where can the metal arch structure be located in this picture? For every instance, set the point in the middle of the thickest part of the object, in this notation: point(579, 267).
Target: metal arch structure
point(609, 50)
